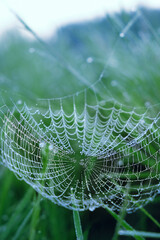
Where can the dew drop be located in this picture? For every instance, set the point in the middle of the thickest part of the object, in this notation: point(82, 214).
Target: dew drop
point(37, 111)
point(89, 60)
point(51, 147)
point(56, 112)
point(19, 102)
point(120, 163)
point(42, 144)
point(118, 187)
point(150, 199)
point(122, 35)
point(92, 208)
point(81, 162)
point(111, 197)
point(142, 121)
point(55, 150)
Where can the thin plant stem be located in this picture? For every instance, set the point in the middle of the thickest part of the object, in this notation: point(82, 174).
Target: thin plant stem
point(123, 223)
point(35, 217)
point(23, 224)
point(77, 225)
point(150, 217)
point(140, 233)
point(122, 216)
point(76, 219)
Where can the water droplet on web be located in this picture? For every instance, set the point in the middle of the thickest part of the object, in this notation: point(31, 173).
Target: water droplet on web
point(56, 112)
point(150, 199)
point(51, 147)
point(81, 162)
point(111, 197)
point(37, 111)
point(122, 35)
point(118, 187)
point(120, 163)
point(92, 208)
point(19, 102)
point(42, 144)
point(142, 121)
point(55, 150)
point(89, 60)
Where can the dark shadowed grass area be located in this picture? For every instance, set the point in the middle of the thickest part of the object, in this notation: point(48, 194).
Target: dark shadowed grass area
point(125, 48)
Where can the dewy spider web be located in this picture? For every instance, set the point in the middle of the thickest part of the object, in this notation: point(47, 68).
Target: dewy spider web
point(82, 155)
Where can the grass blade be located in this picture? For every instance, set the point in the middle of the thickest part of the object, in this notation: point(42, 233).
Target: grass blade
point(150, 217)
point(35, 217)
point(23, 224)
point(4, 192)
point(123, 223)
point(140, 233)
point(76, 219)
point(77, 225)
point(20, 208)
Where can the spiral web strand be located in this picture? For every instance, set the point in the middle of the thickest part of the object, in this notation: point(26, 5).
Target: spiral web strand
point(87, 156)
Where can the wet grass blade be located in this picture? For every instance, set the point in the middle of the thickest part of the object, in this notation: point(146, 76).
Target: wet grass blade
point(140, 233)
point(77, 225)
point(123, 223)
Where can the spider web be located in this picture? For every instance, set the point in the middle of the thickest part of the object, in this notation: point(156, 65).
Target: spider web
point(85, 150)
